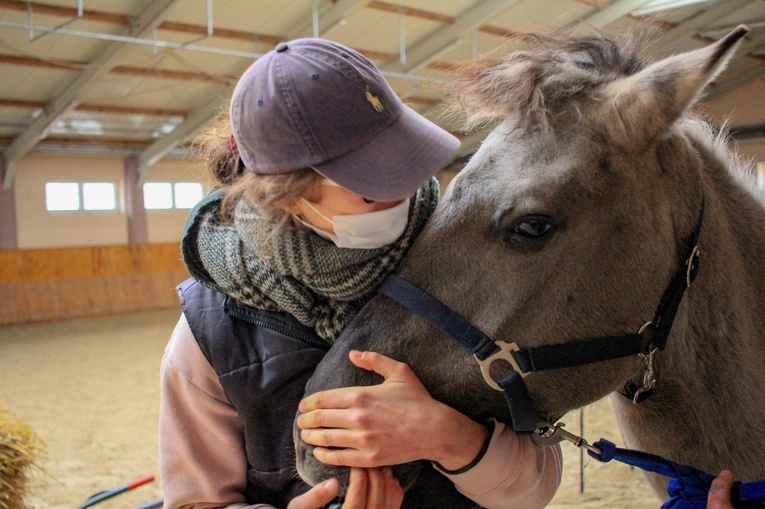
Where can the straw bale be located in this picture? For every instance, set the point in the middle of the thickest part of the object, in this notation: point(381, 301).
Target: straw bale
point(20, 452)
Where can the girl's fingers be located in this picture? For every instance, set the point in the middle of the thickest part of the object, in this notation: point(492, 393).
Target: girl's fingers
point(322, 437)
point(356, 497)
point(719, 492)
point(376, 493)
point(345, 397)
point(326, 418)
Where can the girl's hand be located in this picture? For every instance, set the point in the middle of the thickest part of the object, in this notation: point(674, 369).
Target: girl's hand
point(388, 424)
point(373, 488)
point(719, 492)
point(317, 496)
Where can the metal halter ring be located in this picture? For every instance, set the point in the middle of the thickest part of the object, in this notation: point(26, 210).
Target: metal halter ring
point(505, 353)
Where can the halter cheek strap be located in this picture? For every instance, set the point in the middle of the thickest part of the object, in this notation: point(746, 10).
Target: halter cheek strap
point(523, 361)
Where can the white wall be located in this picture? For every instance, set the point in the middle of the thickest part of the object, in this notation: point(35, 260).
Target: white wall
point(39, 229)
point(167, 225)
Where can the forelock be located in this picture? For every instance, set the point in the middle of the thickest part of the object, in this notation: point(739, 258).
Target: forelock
point(553, 74)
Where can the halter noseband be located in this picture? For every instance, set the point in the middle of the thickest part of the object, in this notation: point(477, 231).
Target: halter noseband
point(652, 336)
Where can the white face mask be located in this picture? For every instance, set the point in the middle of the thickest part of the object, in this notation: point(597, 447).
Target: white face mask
point(365, 231)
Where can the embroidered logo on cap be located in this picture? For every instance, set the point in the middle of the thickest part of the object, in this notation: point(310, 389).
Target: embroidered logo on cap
point(374, 101)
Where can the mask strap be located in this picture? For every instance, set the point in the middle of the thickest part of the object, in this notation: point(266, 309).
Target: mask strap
point(317, 211)
point(330, 183)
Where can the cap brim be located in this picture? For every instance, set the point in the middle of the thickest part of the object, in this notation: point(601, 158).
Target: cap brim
point(396, 162)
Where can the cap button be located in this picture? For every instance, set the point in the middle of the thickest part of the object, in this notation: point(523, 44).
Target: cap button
point(281, 47)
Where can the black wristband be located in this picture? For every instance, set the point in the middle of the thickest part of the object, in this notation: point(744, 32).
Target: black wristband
point(490, 427)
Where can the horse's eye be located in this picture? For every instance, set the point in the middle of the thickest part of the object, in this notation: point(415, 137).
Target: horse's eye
point(526, 233)
point(532, 227)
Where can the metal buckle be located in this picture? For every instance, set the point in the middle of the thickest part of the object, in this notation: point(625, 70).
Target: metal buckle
point(649, 377)
point(505, 353)
point(552, 435)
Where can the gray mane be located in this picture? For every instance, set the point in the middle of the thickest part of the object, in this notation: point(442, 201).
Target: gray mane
point(554, 73)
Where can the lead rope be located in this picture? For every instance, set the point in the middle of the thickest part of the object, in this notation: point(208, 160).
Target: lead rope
point(688, 487)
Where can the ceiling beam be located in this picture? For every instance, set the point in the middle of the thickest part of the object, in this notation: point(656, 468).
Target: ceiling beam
point(124, 20)
point(411, 12)
point(614, 12)
point(65, 12)
point(152, 14)
point(691, 26)
point(193, 123)
point(443, 38)
point(97, 108)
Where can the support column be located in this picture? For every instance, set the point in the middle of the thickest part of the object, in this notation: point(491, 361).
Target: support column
point(138, 229)
point(9, 238)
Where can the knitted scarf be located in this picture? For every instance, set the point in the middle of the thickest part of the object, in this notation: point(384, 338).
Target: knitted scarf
point(285, 267)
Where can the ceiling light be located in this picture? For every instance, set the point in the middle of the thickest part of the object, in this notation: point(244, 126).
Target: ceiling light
point(663, 5)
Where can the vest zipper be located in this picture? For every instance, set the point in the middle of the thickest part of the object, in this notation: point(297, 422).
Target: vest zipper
point(318, 343)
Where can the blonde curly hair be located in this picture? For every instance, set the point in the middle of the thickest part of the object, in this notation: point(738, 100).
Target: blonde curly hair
point(272, 193)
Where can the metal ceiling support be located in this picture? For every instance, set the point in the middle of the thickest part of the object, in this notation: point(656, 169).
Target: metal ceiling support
point(339, 11)
point(30, 14)
point(599, 19)
point(189, 127)
point(401, 36)
point(441, 39)
point(698, 22)
point(613, 12)
point(209, 24)
point(152, 41)
point(198, 119)
point(315, 18)
point(152, 14)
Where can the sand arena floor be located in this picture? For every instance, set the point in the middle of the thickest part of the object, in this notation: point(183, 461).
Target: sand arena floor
point(90, 390)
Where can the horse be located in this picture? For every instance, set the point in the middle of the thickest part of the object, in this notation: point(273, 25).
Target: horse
point(597, 191)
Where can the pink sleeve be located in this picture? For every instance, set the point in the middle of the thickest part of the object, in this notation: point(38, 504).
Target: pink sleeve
point(201, 445)
point(513, 473)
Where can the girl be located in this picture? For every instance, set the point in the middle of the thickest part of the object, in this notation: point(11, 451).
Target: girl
point(325, 180)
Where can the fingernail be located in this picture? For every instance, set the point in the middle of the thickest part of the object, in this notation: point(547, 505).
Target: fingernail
point(726, 473)
point(355, 353)
point(331, 483)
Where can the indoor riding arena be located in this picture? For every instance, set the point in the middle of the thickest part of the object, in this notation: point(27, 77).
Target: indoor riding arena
point(101, 102)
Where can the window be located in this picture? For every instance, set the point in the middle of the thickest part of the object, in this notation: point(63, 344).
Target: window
point(157, 196)
point(166, 196)
point(98, 196)
point(62, 196)
point(187, 194)
point(75, 196)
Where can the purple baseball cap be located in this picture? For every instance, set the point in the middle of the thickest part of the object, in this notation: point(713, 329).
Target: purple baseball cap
point(313, 103)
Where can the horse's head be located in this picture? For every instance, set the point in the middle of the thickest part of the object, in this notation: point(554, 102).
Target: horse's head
point(569, 223)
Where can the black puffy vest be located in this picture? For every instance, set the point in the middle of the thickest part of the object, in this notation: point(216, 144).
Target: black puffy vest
point(263, 361)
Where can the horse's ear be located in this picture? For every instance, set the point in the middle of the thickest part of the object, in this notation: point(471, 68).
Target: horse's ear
point(648, 102)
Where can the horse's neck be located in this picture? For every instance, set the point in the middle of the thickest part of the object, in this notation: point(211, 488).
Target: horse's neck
point(710, 378)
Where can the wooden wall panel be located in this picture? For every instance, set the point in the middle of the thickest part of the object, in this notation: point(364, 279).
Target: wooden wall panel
point(58, 284)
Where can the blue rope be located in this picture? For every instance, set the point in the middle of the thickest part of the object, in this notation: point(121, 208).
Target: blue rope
point(689, 486)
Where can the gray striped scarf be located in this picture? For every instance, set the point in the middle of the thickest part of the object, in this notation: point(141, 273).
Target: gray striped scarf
point(295, 270)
